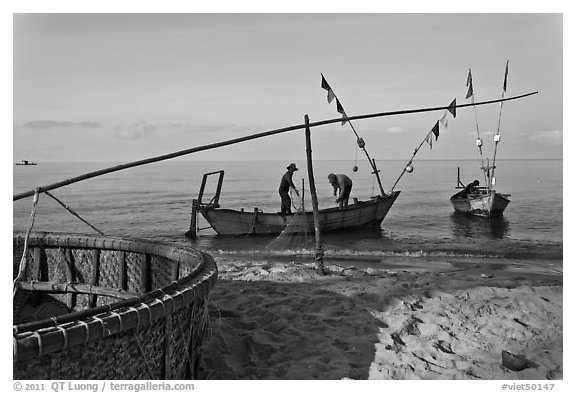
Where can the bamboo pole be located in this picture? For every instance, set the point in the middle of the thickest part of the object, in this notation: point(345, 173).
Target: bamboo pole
point(243, 139)
point(191, 233)
point(319, 249)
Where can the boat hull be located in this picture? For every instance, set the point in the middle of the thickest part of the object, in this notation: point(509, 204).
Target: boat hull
point(486, 204)
point(360, 214)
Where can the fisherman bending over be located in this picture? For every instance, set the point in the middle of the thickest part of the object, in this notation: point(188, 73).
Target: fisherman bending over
point(469, 189)
point(344, 184)
point(285, 185)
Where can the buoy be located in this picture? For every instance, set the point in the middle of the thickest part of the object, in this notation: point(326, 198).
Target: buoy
point(409, 169)
point(355, 168)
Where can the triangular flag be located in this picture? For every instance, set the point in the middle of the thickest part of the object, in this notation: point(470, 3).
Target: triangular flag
point(506, 75)
point(331, 96)
point(429, 139)
point(436, 130)
point(339, 106)
point(470, 92)
point(344, 118)
point(327, 87)
point(325, 84)
point(444, 120)
point(452, 108)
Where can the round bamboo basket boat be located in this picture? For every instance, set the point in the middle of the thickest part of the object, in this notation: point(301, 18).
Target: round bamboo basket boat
point(97, 307)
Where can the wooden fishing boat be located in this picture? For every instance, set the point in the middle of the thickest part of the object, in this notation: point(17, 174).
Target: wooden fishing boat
point(360, 214)
point(232, 222)
point(482, 202)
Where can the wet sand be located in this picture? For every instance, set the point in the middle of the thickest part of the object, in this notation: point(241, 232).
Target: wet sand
point(404, 318)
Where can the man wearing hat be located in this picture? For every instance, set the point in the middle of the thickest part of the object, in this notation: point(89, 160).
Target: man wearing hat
point(285, 185)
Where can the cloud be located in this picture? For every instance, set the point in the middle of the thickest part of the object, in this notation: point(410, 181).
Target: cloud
point(550, 138)
point(136, 130)
point(51, 124)
point(202, 127)
point(394, 130)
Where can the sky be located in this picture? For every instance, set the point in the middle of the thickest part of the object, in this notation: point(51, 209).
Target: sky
point(124, 87)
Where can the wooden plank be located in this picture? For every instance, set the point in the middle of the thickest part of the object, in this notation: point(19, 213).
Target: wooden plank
point(95, 274)
point(123, 269)
point(39, 255)
point(145, 274)
point(71, 298)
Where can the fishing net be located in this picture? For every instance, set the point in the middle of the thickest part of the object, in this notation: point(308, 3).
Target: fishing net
point(299, 232)
point(297, 236)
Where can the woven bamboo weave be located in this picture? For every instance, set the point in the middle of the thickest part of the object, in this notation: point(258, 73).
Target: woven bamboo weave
point(97, 307)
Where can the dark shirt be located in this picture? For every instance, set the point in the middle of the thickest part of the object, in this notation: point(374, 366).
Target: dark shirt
point(469, 188)
point(286, 182)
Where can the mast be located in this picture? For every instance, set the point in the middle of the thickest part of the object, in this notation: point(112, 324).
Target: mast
point(360, 141)
point(470, 94)
point(497, 135)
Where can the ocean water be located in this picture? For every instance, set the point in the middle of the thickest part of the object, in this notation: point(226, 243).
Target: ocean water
point(154, 202)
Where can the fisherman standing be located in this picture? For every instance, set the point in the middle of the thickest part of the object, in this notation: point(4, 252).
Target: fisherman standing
point(285, 185)
point(344, 184)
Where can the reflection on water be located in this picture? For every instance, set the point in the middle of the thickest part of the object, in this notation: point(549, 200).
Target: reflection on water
point(496, 227)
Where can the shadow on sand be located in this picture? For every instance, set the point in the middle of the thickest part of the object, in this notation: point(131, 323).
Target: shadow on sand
point(266, 330)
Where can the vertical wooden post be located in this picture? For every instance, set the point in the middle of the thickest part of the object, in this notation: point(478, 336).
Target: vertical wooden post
point(376, 170)
point(303, 209)
point(319, 249)
point(191, 233)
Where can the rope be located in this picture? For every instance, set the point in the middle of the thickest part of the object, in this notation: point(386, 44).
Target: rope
point(496, 140)
point(292, 202)
point(479, 139)
point(73, 212)
point(24, 259)
point(355, 161)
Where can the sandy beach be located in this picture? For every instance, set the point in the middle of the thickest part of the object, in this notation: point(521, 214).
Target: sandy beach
point(403, 318)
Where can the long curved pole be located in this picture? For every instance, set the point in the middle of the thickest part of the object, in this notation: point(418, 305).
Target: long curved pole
point(243, 139)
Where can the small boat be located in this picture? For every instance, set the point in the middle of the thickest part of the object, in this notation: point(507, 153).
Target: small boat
point(231, 222)
point(26, 163)
point(482, 201)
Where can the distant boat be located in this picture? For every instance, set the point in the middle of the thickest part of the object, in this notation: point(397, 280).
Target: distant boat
point(482, 201)
point(26, 162)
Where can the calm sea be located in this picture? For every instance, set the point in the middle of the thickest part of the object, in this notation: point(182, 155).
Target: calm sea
point(154, 201)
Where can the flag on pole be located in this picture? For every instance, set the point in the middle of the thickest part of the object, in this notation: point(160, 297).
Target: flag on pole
point(444, 119)
point(331, 96)
point(452, 108)
point(429, 139)
point(470, 92)
point(340, 109)
point(436, 130)
point(506, 75)
point(327, 87)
